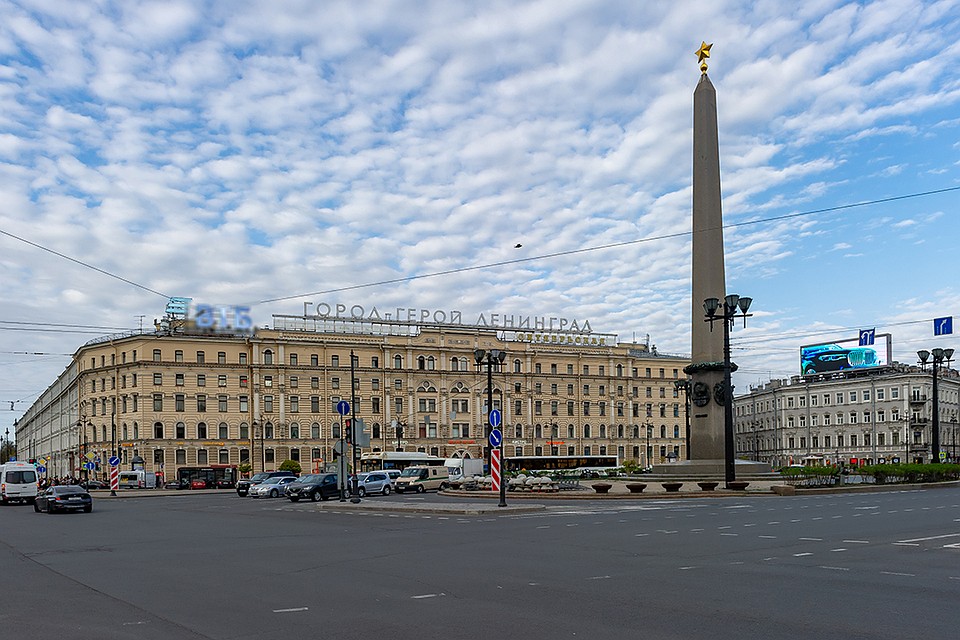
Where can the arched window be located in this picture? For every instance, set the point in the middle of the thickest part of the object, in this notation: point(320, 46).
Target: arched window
point(431, 363)
point(571, 431)
point(619, 370)
point(538, 432)
point(223, 431)
point(268, 356)
point(603, 431)
point(294, 430)
point(516, 366)
point(421, 363)
point(158, 430)
point(268, 431)
point(586, 431)
point(663, 431)
point(398, 362)
point(315, 431)
point(454, 363)
point(202, 430)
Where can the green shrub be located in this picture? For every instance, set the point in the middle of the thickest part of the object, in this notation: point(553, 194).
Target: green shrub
point(290, 465)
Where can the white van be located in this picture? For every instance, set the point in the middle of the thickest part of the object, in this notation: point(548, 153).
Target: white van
point(137, 479)
point(18, 481)
point(420, 479)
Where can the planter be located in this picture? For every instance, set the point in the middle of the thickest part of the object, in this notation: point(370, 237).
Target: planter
point(636, 487)
point(708, 486)
point(738, 485)
point(601, 487)
point(671, 487)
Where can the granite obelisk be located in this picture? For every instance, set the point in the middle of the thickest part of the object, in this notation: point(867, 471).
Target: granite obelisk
point(708, 398)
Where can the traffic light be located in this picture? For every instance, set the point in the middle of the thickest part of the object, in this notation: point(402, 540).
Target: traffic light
point(348, 427)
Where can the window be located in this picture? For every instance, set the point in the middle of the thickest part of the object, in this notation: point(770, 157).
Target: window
point(201, 403)
point(181, 430)
point(158, 402)
point(244, 381)
point(866, 395)
point(516, 366)
point(268, 404)
point(221, 357)
point(157, 380)
point(202, 430)
point(201, 357)
point(181, 457)
point(375, 404)
point(158, 430)
point(222, 403)
point(179, 401)
point(375, 362)
point(268, 356)
point(178, 355)
point(334, 361)
point(201, 380)
point(294, 404)
point(586, 407)
point(293, 359)
point(178, 379)
point(156, 355)
point(222, 431)
point(243, 358)
point(334, 383)
point(244, 404)
point(294, 430)
point(268, 381)
point(314, 360)
point(894, 393)
point(398, 362)
point(853, 396)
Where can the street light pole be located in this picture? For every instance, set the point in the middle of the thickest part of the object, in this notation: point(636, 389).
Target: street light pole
point(492, 358)
point(728, 312)
point(940, 356)
point(684, 385)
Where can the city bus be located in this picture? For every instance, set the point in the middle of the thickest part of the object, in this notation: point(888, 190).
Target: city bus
point(399, 460)
point(572, 465)
point(216, 476)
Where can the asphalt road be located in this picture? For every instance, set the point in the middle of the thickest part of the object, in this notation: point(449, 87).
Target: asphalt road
point(878, 565)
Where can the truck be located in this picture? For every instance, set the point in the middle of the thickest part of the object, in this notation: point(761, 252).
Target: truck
point(137, 479)
point(461, 469)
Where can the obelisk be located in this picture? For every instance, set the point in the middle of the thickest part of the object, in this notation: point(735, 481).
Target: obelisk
point(706, 367)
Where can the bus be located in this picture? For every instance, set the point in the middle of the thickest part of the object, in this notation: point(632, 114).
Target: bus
point(573, 465)
point(216, 476)
point(399, 460)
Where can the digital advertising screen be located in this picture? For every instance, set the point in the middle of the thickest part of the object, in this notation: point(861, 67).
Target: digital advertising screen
point(844, 355)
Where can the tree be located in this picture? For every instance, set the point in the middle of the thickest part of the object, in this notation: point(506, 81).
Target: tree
point(245, 468)
point(290, 465)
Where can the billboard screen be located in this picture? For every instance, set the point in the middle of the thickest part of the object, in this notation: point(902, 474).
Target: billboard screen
point(844, 355)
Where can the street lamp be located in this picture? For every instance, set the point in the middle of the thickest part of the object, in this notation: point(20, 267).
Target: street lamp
point(733, 307)
point(940, 356)
point(6, 445)
point(685, 386)
point(649, 456)
point(492, 358)
point(398, 428)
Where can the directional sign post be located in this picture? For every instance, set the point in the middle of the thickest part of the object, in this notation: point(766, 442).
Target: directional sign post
point(114, 474)
point(496, 442)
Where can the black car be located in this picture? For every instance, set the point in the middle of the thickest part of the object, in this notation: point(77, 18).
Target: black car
point(94, 484)
point(64, 497)
point(243, 486)
point(320, 486)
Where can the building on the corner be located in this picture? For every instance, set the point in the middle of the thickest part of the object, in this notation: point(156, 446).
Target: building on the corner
point(856, 417)
point(182, 396)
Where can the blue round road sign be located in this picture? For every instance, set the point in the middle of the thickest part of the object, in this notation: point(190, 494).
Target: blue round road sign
point(495, 418)
point(114, 461)
point(496, 437)
point(41, 468)
point(89, 466)
point(343, 407)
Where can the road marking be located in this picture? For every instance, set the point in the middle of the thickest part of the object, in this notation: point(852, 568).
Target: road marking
point(730, 534)
point(834, 568)
point(750, 525)
point(800, 555)
point(685, 568)
point(812, 539)
point(946, 535)
point(291, 610)
point(871, 507)
point(774, 522)
point(640, 535)
point(895, 573)
point(695, 530)
point(544, 526)
point(427, 595)
point(768, 537)
point(906, 544)
point(722, 528)
point(955, 545)
point(855, 541)
point(598, 578)
point(818, 518)
point(836, 550)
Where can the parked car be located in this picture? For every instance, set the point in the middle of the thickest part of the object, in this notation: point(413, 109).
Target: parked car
point(198, 484)
point(374, 482)
point(89, 485)
point(63, 497)
point(174, 484)
point(321, 486)
point(271, 487)
point(243, 486)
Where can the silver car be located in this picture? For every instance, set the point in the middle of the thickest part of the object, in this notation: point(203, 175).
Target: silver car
point(373, 482)
point(271, 487)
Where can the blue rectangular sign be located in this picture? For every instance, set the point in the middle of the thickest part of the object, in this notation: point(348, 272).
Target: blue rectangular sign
point(943, 326)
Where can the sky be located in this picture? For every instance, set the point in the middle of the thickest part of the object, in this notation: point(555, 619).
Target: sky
point(521, 158)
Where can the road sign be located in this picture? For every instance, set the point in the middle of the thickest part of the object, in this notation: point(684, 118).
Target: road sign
point(41, 468)
point(340, 447)
point(943, 456)
point(97, 460)
point(495, 418)
point(867, 337)
point(114, 478)
point(496, 437)
point(943, 326)
point(89, 466)
point(343, 407)
point(495, 467)
point(89, 455)
point(114, 461)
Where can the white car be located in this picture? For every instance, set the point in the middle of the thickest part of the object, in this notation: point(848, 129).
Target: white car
point(271, 487)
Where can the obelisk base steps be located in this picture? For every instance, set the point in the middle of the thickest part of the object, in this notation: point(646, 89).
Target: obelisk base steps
point(709, 468)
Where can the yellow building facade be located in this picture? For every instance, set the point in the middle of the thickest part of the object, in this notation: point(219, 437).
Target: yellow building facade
point(191, 398)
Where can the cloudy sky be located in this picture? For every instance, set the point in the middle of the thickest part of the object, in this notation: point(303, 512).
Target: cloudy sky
point(271, 153)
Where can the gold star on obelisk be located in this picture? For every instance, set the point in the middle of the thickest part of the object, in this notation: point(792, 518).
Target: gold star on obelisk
point(702, 53)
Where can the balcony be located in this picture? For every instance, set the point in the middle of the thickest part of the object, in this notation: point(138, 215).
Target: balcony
point(918, 398)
